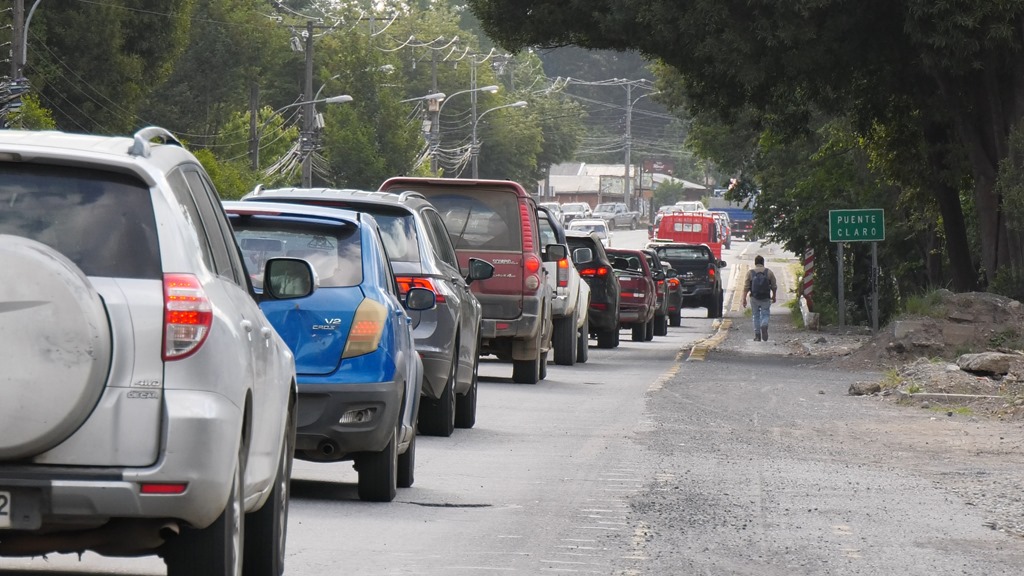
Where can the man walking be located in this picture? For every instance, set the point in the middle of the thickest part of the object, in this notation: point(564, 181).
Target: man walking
point(760, 285)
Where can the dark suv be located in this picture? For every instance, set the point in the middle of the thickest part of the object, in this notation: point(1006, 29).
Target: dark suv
point(496, 221)
point(422, 256)
point(604, 288)
point(661, 289)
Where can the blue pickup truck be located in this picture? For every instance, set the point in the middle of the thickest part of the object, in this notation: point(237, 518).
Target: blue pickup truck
point(741, 218)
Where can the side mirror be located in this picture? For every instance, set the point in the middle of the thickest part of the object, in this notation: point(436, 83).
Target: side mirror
point(672, 273)
point(721, 263)
point(583, 255)
point(420, 299)
point(555, 252)
point(285, 278)
point(479, 270)
point(659, 275)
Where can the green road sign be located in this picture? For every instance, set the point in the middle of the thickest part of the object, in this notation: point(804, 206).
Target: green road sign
point(865, 225)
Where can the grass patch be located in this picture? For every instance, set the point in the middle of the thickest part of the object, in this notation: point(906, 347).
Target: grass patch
point(890, 380)
point(1009, 338)
point(929, 305)
point(958, 410)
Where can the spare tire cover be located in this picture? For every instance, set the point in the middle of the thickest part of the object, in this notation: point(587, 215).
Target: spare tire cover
point(54, 347)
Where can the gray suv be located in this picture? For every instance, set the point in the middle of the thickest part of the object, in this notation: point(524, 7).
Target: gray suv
point(146, 404)
point(422, 256)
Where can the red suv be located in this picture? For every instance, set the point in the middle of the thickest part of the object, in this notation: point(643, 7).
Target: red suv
point(638, 302)
point(496, 221)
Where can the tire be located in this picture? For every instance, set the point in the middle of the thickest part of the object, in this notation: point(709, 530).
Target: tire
point(465, 405)
point(721, 305)
point(582, 345)
point(632, 224)
point(266, 530)
point(712, 306)
point(526, 371)
point(543, 366)
point(608, 338)
point(675, 318)
point(407, 465)
point(564, 341)
point(661, 326)
point(378, 472)
point(437, 417)
point(639, 332)
point(649, 330)
point(216, 550)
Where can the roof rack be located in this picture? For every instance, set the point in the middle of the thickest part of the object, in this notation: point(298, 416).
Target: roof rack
point(141, 146)
point(410, 194)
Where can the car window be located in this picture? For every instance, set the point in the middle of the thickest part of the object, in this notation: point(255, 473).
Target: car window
point(480, 219)
point(102, 221)
point(209, 214)
point(398, 232)
point(334, 251)
point(682, 253)
point(547, 232)
point(597, 227)
point(440, 239)
point(218, 228)
point(183, 194)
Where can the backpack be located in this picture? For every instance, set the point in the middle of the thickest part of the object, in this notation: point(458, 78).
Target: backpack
point(760, 286)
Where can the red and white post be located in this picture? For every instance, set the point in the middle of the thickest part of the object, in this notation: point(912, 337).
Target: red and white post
point(808, 282)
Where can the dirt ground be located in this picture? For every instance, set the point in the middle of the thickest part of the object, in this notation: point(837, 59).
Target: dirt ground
point(919, 354)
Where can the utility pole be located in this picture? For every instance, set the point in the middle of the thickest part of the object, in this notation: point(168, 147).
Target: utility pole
point(306, 145)
point(472, 99)
point(435, 121)
point(17, 39)
point(254, 110)
point(629, 144)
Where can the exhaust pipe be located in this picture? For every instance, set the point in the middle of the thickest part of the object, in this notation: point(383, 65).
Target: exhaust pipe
point(327, 448)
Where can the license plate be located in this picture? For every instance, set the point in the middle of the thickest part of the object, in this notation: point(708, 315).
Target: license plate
point(5, 509)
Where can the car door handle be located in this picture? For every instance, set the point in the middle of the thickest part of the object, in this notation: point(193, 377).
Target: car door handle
point(266, 332)
point(247, 326)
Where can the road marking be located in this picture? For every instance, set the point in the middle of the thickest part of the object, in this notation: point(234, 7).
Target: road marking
point(700, 350)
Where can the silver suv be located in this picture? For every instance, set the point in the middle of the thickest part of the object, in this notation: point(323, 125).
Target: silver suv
point(422, 256)
point(146, 404)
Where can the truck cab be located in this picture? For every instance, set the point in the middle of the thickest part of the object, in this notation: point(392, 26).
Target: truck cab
point(690, 228)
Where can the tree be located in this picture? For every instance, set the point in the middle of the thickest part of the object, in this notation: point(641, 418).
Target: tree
point(880, 62)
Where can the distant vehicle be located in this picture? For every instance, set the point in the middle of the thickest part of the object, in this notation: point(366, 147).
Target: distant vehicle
point(556, 209)
point(675, 294)
point(574, 210)
point(358, 371)
point(692, 206)
point(691, 228)
point(617, 214)
point(147, 404)
point(661, 290)
point(496, 221)
point(598, 227)
point(571, 295)
point(638, 297)
point(604, 288)
point(741, 217)
point(421, 255)
point(724, 227)
point(699, 274)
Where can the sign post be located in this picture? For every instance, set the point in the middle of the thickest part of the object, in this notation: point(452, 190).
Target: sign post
point(859, 225)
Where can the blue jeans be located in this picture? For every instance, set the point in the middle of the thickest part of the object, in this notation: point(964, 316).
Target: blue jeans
point(762, 312)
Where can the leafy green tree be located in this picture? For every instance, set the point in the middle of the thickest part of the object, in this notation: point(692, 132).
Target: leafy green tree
point(31, 115)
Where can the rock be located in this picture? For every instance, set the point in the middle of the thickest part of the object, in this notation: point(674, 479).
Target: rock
point(903, 328)
point(864, 388)
point(952, 368)
point(960, 316)
point(821, 340)
point(986, 362)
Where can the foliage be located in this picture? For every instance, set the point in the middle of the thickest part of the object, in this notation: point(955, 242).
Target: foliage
point(31, 115)
point(929, 304)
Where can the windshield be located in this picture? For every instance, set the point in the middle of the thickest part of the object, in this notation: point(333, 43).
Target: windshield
point(604, 208)
point(597, 227)
point(573, 208)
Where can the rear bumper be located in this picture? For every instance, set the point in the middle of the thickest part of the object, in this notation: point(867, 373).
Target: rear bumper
point(525, 327)
point(634, 314)
point(321, 407)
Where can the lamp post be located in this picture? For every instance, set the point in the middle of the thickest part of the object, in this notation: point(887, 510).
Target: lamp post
point(435, 127)
point(254, 153)
point(628, 184)
point(473, 150)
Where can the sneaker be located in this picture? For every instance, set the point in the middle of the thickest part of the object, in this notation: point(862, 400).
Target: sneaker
point(764, 334)
point(757, 336)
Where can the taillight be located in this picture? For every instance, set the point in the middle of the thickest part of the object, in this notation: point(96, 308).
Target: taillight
point(407, 282)
point(598, 305)
point(188, 316)
point(367, 328)
point(673, 282)
point(591, 272)
point(532, 266)
point(563, 273)
point(711, 272)
point(524, 216)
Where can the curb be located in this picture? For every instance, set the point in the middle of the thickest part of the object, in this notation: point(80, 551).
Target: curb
point(700, 350)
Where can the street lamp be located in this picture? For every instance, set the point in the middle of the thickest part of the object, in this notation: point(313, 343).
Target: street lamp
point(255, 148)
point(436, 97)
point(435, 126)
point(627, 191)
point(473, 150)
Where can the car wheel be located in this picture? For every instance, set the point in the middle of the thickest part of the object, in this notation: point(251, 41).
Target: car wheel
point(712, 306)
point(632, 224)
point(378, 472)
point(608, 338)
point(675, 318)
point(465, 404)
point(407, 465)
point(660, 326)
point(216, 549)
point(582, 345)
point(266, 529)
point(543, 366)
point(437, 417)
point(639, 331)
point(526, 371)
point(721, 305)
point(565, 340)
point(649, 330)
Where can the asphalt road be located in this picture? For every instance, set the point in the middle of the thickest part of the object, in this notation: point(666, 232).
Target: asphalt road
point(642, 463)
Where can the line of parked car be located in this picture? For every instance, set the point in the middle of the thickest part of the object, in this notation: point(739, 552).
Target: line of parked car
point(167, 354)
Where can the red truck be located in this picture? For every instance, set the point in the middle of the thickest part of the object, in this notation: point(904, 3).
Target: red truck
point(638, 300)
point(690, 228)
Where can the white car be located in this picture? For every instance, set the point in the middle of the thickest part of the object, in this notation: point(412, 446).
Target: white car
point(692, 206)
point(596, 225)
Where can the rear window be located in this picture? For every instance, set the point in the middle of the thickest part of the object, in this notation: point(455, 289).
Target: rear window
point(681, 253)
point(334, 251)
point(598, 227)
point(101, 221)
point(576, 242)
point(480, 219)
point(398, 230)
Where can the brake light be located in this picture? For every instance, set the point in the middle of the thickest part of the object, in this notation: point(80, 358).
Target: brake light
point(163, 488)
point(711, 272)
point(563, 273)
point(367, 329)
point(598, 305)
point(532, 266)
point(188, 316)
point(524, 217)
point(407, 282)
point(673, 282)
point(591, 272)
